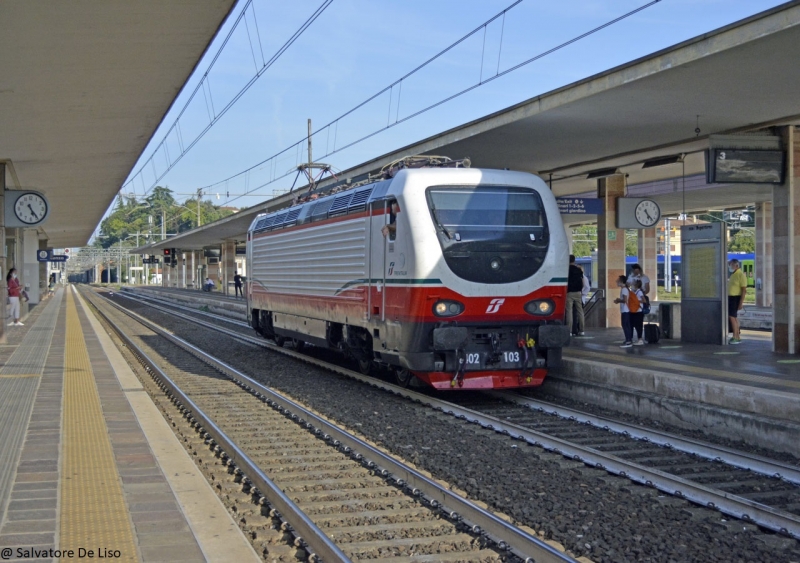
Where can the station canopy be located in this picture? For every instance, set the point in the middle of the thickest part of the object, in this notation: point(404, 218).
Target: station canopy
point(740, 78)
point(83, 87)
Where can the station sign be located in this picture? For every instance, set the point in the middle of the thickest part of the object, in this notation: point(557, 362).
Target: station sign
point(151, 260)
point(48, 256)
point(580, 206)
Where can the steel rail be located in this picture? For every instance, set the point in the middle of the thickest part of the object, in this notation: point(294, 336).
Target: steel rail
point(507, 537)
point(133, 295)
point(727, 503)
point(318, 543)
point(754, 463)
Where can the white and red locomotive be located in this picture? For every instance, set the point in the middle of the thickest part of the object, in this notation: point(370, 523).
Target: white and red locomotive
point(454, 275)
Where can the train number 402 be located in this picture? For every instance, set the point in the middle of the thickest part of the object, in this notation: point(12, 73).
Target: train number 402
point(473, 359)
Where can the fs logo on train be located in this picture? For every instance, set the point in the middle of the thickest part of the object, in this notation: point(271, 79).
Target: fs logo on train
point(494, 305)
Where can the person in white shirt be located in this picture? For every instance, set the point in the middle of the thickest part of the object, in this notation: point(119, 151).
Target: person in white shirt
point(627, 328)
point(638, 274)
point(586, 289)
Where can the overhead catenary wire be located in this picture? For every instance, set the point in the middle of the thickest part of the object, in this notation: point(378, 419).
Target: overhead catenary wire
point(399, 82)
point(204, 83)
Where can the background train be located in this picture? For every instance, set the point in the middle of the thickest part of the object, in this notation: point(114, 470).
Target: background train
point(454, 275)
point(747, 263)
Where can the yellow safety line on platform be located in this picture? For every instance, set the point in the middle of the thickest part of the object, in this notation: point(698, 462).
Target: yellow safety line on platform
point(671, 366)
point(94, 515)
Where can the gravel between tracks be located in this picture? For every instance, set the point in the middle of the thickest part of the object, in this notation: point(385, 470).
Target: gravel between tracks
point(605, 518)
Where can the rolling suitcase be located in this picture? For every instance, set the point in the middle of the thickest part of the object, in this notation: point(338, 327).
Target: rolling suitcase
point(652, 333)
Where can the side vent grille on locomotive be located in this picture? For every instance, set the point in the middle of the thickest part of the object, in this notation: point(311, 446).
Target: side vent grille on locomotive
point(261, 222)
point(359, 201)
point(340, 204)
point(291, 218)
point(321, 208)
point(279, 218)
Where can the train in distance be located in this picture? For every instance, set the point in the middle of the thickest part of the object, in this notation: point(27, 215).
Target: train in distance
point(746, 260)
point(450, 274)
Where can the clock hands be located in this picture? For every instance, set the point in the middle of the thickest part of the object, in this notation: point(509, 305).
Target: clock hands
point(35, 216)
point(648, 215)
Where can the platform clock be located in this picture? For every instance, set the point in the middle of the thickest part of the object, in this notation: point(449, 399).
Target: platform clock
point(25, 209)
point(637, 213)
point(647, 213)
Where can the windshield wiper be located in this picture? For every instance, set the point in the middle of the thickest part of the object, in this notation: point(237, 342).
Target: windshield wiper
point(439, 223)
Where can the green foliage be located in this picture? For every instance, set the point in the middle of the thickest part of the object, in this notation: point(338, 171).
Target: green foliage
point(743, 241)
point(584, 240)
point(146, 218)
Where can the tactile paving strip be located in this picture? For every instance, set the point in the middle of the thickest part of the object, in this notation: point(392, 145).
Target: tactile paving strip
point(93, 509)
point(19, 379)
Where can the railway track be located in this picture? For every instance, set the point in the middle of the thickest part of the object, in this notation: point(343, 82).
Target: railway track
point(751, 488)
point(340, 497)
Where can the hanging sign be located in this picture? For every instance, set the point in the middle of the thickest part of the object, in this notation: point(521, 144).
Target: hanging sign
point(580, 206)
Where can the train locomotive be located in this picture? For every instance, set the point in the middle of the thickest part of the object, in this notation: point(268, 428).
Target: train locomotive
point(453, 275)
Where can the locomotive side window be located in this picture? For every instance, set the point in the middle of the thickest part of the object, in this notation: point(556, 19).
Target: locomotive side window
point(490, 234)
point(390, 229)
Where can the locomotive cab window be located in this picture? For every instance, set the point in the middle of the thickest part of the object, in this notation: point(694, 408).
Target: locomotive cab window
point(490, 234)
point(390, 229)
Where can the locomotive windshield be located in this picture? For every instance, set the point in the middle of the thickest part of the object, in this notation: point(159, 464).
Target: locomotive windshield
point(490, 234)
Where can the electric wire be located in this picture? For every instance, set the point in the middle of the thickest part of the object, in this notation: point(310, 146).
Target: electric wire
point(204, 83)
point(334, 123)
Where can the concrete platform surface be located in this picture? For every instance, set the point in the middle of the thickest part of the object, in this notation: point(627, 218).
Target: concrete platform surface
point(88, 462)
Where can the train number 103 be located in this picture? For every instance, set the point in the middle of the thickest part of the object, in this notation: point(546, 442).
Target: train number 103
point(508, 358)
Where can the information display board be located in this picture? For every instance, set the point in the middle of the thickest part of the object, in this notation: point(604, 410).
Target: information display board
point(701, 279)
point(704, 304)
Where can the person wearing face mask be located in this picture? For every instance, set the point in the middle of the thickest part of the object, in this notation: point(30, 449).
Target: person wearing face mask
point(14, 290)
point(627, 327)
point(737, 288)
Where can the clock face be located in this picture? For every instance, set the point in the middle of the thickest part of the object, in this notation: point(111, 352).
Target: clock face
point(648, 213)
point(30, 208)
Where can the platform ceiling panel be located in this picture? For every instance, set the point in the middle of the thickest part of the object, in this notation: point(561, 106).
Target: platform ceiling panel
point(83, 87)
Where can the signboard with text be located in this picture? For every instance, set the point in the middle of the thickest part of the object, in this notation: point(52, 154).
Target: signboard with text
point(580, 205)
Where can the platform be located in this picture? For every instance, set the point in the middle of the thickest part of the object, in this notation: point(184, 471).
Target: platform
point(214, 301)
point(744, 391)
point(88, 463)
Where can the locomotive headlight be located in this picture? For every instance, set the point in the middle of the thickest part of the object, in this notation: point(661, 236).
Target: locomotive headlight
point(494, 264)
point(448, 308)
point(540, 307)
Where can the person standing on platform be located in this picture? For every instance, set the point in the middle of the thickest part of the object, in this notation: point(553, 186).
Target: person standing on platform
point(638, 274)
point(625, 314)
point(237, 283)
point(14, 290)
point(637, 317)
point(737, 288)
point(574, 289)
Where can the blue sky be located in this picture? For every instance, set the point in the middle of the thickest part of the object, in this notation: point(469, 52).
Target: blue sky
point(358, 47)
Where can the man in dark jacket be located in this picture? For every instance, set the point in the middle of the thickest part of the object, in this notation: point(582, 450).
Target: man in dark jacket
point(237, 284)
point(574, 288)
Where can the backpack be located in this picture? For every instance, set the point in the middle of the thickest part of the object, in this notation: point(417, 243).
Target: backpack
point(574, 279)
point(634, 305)
point(646, 305)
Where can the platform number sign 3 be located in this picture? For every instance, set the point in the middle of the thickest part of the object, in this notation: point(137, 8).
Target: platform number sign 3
point(30, 208)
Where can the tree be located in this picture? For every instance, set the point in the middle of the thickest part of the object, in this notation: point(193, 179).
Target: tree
point(584, 240)
point(159, 212)
point(743, 240)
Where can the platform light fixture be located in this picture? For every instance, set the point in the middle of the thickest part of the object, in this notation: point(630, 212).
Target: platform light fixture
point(662, 161)
point(602, 173)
